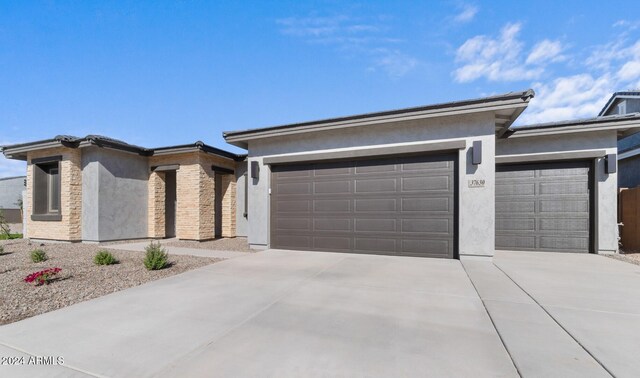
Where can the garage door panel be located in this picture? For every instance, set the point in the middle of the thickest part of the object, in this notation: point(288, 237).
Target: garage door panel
point(516, 224)
point(332, 187)
point(427, 225)
point(369, 209)
point(288, 224)
point(410, 184)
point(333, 224)
point(300, 206)
point(332, 243)
point(439, 204)
point(292, 241)
point(332, 172)
point(544, 207)
point(516, 242)
point(376, 205)
point(332, 205)
point(294, 188)
point(564, 206)
point(564, 243)
point(563, 224)
point(506, 189)
point(510, 207)
point(570, 188)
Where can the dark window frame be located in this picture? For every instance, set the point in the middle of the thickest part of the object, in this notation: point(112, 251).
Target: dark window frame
point(42, 191)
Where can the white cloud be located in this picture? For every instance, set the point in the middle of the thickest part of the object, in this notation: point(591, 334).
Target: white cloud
point(496, 59)
point(545, 51)
point(611, 67)
point(353, 37)
point(630, 71)
point(467, 13)
point(395, 63)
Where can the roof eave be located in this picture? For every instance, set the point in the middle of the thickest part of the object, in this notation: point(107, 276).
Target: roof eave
point(622, 127)
point(518, 104)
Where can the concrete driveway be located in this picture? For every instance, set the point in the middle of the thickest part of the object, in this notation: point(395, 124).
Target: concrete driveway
point(286, 313)
point(276, 313)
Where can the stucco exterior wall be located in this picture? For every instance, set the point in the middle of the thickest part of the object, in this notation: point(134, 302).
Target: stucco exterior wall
point(605, 186)
point(70, 227)
point(11, 192)
point(114, 204)
point(476, 205)
point(242, 222)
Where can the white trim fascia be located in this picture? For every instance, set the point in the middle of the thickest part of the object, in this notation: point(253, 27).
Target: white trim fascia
point(434, 113)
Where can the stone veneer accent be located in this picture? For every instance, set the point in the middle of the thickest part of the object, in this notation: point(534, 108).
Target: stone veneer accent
point(195, 190)
point(70, 227)
point(228, 206)
point(155, 220)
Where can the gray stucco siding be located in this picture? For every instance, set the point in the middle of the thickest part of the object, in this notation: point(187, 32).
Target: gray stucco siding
point(115, 192)
point(242, 222)
point(476, 205)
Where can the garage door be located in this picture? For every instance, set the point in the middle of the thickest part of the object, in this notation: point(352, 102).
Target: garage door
point(398, 206)
point(544, 207)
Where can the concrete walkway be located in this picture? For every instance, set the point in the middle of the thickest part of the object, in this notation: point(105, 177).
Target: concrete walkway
point(276, 313)
point(140, 247)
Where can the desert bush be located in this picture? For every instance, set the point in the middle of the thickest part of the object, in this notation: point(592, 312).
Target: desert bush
point(156, 257)
point(38, 255)
point(104, 258)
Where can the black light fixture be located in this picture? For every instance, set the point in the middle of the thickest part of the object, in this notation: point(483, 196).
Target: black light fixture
point(611, 163)
point(255, 170)
point(476, 151)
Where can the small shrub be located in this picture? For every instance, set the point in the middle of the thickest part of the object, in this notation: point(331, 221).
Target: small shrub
point(42, 277)
point(1, 249)
point(104, 258)
point(156, 257)
point(38, 255)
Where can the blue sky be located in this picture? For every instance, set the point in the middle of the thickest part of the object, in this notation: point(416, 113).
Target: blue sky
point(162, 73)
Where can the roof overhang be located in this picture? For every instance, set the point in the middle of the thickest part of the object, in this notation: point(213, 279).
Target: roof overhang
point(20, 151)
point(506, 108)
point(623, 125)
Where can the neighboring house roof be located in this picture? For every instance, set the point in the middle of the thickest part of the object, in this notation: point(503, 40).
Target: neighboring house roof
point(625, 124)
point(614, 97)
point(507, 106)
point(11, 191)
point(19, 151)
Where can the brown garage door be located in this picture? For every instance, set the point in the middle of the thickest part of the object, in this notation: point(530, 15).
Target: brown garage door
point(544, 207)
point(396, 206)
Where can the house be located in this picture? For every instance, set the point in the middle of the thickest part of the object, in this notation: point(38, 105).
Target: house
point(445, 180)
point(626, 102)
point(10, 198)
point(96, 189)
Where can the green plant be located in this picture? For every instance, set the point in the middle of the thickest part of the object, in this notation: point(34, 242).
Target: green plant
point(4, 225)
point(38, 255)
point(10, 236)
point(156, 257)
point(104, 258)
point(1, 249)
point(42, 277)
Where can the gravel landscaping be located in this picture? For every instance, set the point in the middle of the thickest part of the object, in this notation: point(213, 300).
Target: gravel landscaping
point(222, 244)
point(79, 280)
point(632, 258)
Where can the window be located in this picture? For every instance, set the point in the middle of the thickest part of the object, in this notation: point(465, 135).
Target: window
point(53, 195)
point(46, 189)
